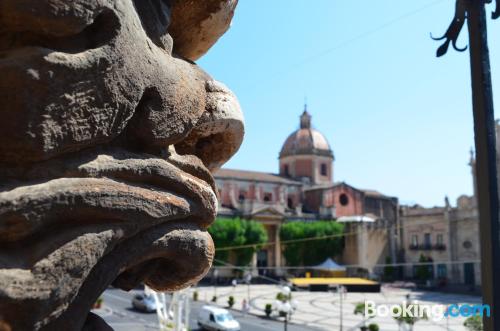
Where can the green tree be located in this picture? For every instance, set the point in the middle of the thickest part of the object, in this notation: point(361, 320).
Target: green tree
point(283, 297)
point(388, 269)
point(474, 323)
point(409, 319)
point(268, 309)
point(423, 272)
point(311, 252)
point(359, 309)
point(255, 234)
point(236, 232)
point(230, 301)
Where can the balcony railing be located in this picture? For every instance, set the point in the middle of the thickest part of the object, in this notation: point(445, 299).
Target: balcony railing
point(440, 247)
point(428, 247)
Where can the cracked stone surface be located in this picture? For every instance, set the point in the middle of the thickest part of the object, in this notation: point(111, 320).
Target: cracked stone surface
point(109, 136)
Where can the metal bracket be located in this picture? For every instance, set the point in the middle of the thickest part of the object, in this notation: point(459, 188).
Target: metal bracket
point(496, 13)
point(461, 14)
point(454, 29)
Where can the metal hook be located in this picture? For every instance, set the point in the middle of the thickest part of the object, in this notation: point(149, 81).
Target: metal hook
point(496, 13)
point(454, 29)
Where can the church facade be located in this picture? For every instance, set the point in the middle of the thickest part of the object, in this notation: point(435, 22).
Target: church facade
point(304, 189)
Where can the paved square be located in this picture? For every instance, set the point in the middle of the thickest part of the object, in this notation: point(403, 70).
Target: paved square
point(322, 310)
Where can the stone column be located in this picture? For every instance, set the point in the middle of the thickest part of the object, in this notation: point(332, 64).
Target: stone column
point(277, 248)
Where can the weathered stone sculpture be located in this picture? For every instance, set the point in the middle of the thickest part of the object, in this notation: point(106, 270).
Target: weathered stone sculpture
point(108, 134)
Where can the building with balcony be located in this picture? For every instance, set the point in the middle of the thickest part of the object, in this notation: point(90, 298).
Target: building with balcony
point(447, 237)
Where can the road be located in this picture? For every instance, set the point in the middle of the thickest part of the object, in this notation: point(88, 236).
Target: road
point(120, 315)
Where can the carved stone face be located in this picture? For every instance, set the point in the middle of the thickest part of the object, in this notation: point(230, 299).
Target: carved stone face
point(108, 135)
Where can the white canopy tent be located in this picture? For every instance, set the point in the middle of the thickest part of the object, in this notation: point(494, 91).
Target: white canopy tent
point(329, 265)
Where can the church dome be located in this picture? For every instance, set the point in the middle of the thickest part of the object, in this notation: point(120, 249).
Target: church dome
point(306, 140)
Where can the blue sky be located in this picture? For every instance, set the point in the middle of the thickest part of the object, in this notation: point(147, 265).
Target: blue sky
point(399, 120)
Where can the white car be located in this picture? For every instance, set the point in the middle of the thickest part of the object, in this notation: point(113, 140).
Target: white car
point(217, 319)
point(144, 303)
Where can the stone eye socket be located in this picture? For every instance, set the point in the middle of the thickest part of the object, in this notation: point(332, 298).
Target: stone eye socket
point(155, 19)
point(101, 31)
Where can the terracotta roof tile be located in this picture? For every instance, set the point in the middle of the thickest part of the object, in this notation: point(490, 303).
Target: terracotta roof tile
point(253, 176)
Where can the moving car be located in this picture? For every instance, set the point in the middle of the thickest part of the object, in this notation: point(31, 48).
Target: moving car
point(144, 303)
point(217, 319)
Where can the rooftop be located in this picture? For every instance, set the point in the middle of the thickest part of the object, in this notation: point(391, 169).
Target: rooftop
point(367, 192)
point(306, 140)
point(251, 176)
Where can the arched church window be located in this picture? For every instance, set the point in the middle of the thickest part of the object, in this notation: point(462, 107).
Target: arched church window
point(268, 197)
point(287, 170)
point(290, 203)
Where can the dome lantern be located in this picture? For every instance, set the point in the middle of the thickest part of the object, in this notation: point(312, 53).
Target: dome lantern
point(305, 119)
point(307, 153)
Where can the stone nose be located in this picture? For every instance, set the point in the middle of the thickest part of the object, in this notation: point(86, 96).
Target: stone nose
point(219, 132)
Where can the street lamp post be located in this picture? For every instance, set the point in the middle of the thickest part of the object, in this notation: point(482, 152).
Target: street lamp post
point(215, 274)
point(248, 280)
point(285, 308)
point(341, 309)
point(340, 290)
point(447, 320)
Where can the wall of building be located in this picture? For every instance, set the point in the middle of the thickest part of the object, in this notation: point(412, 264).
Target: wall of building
point(309, 166)
point(312, 200)
point(465, 243)
point(382, 207)
point(234, 193)
point(347, 201)
point(366, 245)
point(460, 251)
point(327, 162)
point(417, 223)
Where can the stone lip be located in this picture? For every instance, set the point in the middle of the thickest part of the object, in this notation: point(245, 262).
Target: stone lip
point(144, 182)
point(177, 255)
point(102, 217)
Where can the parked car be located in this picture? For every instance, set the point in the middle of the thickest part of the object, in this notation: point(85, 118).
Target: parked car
point(217, 319)
point(144, 303)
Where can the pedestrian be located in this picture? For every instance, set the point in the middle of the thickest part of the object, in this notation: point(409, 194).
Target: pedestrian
point(245, 307)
